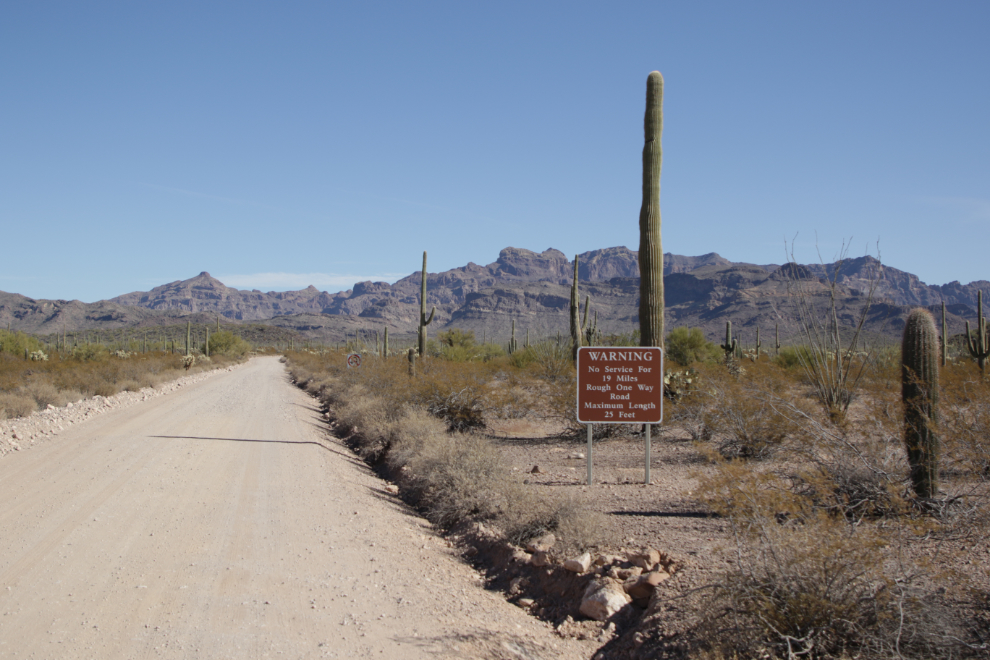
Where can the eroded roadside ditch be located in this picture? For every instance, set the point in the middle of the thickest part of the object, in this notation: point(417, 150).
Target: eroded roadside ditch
point(610, 597)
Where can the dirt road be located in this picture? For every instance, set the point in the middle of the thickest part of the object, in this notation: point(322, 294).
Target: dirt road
point(222, 522)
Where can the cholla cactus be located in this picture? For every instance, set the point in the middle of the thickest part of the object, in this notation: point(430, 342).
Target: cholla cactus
point(188, 361)
point(122, 354)
point(678, 383)
point(38, 356)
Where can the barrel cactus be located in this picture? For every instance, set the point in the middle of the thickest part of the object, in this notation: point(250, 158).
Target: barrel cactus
point(919, 392)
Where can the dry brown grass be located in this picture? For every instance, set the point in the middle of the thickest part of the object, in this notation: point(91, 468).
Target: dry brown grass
point(61, 380)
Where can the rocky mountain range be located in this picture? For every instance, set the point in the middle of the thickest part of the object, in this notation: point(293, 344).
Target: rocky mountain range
point(532, 288)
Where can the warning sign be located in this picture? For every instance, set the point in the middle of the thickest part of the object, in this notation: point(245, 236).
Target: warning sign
point(620, 385)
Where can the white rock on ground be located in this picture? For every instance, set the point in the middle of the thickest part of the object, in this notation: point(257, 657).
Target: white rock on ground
point(579, 564)
point(603, 598)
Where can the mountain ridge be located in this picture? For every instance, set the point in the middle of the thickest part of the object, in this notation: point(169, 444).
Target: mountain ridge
point(530, 287)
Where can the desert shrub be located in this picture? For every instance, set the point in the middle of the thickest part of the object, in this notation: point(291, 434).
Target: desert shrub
point(791, 357)
point(521, 358)
point(45, 393)
point(686, 346)
point(457, 477)
point(229, 344)
point(551, 360)
point(456, 337)
point(740, 413)
point(16, 405)
point(531, 514)
point(16, 343)
point(965, 420)
point(455, 393)
point(490, 351)
point(806, 583)
point(88, 352)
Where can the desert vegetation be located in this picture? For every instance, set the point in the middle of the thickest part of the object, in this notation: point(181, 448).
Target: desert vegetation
point(35, 374)
point(829, 546)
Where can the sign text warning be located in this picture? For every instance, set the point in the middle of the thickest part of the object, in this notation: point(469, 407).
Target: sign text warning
point(622, 385)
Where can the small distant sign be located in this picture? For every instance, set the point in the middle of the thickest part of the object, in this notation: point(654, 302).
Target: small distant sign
point(620, 385)
point(353, 360)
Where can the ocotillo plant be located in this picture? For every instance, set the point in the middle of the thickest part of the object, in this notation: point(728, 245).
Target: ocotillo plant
point(730, 344)
point(945, 337)
point(919, 392)
point(980, 348)
point(650, 246)
point(423, 321)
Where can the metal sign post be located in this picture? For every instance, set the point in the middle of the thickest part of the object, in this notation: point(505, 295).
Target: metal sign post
point(620, 385)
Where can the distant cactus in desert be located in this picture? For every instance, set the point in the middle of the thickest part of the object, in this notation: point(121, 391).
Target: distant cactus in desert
point(423, 321)
point(730, 344)
point(919, 392)
point(577, 325)
point(945, 338)
point(979, 346)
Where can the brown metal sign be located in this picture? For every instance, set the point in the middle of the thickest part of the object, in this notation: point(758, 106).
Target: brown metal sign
point(620, 385)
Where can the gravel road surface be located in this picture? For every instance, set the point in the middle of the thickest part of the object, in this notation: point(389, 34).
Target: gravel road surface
point(222, 521)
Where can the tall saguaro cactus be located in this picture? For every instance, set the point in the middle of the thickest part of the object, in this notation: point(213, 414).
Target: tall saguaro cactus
point(919, 392)
point(650, 246)
point(730, 344)
point(423, 321)
point(945, 337)
point(188, 337)
point(979, 347)
point(577, 327)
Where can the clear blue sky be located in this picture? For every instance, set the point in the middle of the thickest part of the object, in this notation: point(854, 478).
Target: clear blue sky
point(285, 143)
